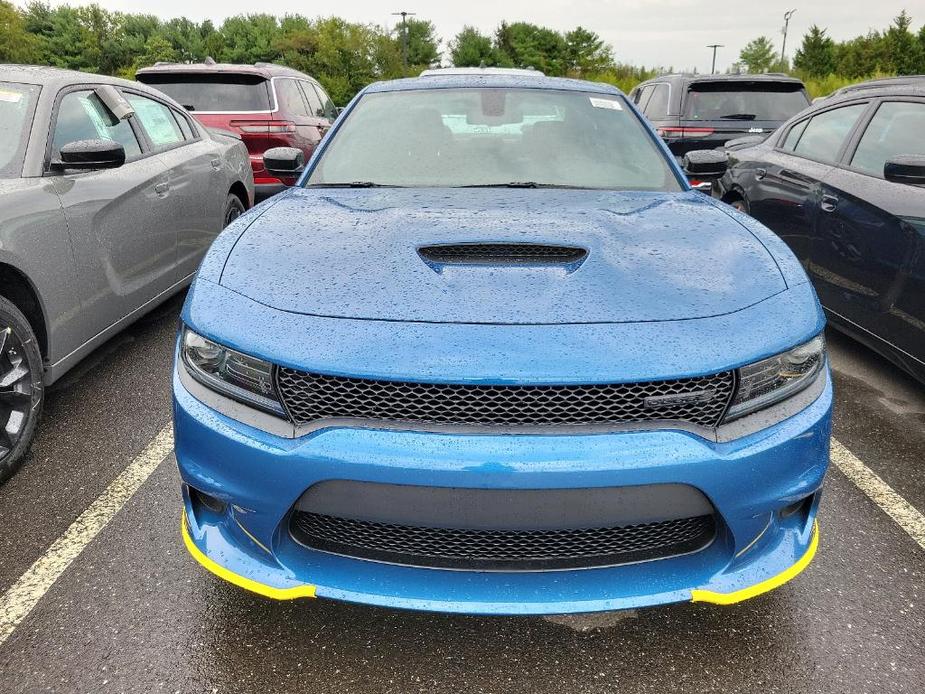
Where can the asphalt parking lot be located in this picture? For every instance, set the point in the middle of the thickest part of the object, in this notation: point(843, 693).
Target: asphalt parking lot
point(134, 613)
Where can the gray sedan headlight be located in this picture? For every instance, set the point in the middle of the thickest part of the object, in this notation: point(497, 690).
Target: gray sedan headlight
point(777, 378)
point(239, 376)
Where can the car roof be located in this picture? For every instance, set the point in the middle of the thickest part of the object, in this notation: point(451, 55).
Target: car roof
point(910, 88)
point(56, 78)
point(913, 82)
point(777, 77)
point(208, 67)
point(482, 78)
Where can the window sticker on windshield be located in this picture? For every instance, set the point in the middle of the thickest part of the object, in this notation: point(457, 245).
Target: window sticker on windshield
point(10, 97)
point(606, 103)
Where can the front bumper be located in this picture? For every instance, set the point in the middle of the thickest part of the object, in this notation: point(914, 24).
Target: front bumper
point(258, 477)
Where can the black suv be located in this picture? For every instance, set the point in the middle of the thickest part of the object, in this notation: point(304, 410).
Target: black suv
point(704, 112)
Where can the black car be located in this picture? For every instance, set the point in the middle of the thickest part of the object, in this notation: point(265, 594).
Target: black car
point(705, 111)
point(844, 185)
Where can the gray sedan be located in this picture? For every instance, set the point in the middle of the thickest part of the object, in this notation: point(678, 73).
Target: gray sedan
point(110, 194)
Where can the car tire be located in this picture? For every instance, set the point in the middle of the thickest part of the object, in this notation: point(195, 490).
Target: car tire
point(234, 208)
point(22, 392)
point(740, 204)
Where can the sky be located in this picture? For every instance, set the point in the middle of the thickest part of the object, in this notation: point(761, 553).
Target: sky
point(666, 33)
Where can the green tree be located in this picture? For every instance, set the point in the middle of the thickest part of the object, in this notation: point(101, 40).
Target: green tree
point(423, 43)
point(816, 56)
point(586, 53)
point(17, 45)
point(471, 48)
point(249, 39)
point(524, 45)
point(758, 55)
point(903, 52)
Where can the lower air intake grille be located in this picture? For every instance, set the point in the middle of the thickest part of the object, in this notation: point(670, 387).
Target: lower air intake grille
point(502, 550)
point(310, 397)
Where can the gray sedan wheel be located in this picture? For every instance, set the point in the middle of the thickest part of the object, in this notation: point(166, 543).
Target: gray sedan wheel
point(234, 208)
point(21, 391)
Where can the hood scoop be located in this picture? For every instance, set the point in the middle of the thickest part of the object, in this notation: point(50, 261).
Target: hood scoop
point(532, 254)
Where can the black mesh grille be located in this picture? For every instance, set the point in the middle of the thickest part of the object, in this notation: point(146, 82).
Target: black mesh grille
point(310, 397)
point(502, 253)
point(522, 550)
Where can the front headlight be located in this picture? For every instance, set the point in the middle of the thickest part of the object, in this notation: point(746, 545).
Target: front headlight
point(239, 376)
point(769, 381)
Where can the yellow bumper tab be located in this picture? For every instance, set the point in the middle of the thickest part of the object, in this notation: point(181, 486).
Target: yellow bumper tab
point(304, 591)
point(766, 585)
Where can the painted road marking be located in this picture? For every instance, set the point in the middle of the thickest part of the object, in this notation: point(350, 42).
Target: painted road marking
point(19, 600)
point(22, 596)
point(905, 514)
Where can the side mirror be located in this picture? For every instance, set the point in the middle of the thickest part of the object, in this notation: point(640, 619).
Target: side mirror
point(339, 110)
point(705, 164)
point(91, 154)
point(908, 169)
point(284, 162)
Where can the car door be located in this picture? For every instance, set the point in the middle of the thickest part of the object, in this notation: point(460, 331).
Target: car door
point(197, 190)
point(786, 191)
point(320, 104)
point(309, 127)
point(124, 253)
point(870, 249)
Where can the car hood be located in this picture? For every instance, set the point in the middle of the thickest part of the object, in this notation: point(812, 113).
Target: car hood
point(356, 253)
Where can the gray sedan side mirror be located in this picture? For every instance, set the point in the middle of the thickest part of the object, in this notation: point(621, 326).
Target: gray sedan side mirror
point(284, 161)
point(91, 155)
point(908, 169)
point(705, 164)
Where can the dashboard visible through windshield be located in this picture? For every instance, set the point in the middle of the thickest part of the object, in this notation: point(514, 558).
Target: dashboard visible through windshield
point(494, 137)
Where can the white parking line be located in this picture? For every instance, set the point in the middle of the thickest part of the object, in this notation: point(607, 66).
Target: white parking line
point(22, 596)
point(905, 514)
point(19, 600)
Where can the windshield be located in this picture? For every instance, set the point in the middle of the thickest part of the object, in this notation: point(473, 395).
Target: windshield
point(775, 102)
point(494, 137)
point(17, 102)
point(223, 92)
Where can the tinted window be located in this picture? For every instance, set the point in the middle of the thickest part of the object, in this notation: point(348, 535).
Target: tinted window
point(477, 137)
point(314, 103)
point(82, 116)
point(157, 120)
point(221, 92)
point(744, 101)
point(658, 103)
point(327, 105)
point(17, 102)
point(184, 126)
point(643, 96)
point(824, 135)
point(897, 128)
point(290, 97)
point(793, 136)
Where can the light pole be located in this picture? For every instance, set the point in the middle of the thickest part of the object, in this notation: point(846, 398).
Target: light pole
point(404, 35)
point(783, 46)
point(714, 46)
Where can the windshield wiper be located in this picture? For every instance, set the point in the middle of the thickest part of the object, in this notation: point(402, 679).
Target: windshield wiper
point(520, 184)
point(740, 116)
point(352, 184)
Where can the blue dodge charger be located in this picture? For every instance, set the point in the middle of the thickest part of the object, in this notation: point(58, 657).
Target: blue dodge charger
point(492, 354)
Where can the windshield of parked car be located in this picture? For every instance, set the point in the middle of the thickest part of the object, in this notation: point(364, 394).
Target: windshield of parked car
point(743, 101)
point(219, 92)
point(17, 102)
point(494, 137)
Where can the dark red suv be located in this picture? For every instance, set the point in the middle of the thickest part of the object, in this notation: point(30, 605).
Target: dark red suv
point(266, 105)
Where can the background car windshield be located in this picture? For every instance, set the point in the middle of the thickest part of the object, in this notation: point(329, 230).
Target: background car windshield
point(17, 102)
point(220, 92)
point(712, 101)
point(476, 137)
